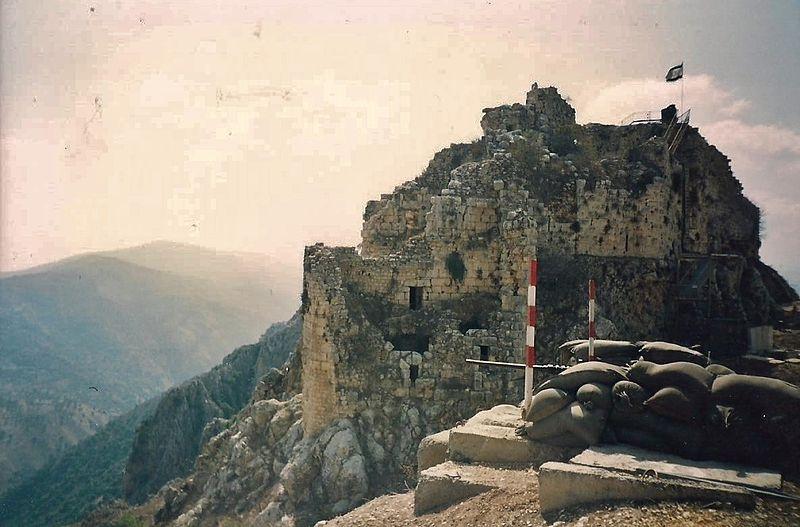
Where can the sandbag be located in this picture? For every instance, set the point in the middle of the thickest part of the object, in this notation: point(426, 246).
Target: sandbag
point(753, 439)
point(576, 376)
point(640, 438)
point(547, 402)
point(629, 396)
point(593, 395)
point(673, 403)
point(682, 438)
point(573, 426)
point(611, 351)
point(733, 436)
point(688, 377)
point(667, 352)
point(718, 369)
point(756, 395)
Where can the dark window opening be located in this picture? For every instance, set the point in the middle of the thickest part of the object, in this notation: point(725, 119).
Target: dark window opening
point(626, 243)
point(415, 297)
point(413, 373)
point(411, 342)
point(484, 352)
point(472, 323)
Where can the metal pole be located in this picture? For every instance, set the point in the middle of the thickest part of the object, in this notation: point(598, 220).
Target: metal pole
point(530, 333)
point(683, 75)
point(592, 328)
point(517, 365)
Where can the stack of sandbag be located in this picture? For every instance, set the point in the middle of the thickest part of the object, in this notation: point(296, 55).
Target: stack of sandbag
point(617, 352)
point(662, 407)
point(667, 352)
point(755, 420)
point(571, 409)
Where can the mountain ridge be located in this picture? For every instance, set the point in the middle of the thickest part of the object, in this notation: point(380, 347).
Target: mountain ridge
point(106, 321)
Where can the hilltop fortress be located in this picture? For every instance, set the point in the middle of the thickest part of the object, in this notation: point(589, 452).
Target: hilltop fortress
point(651, 211)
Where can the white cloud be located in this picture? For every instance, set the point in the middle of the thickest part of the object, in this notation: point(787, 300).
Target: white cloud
point(757, 139)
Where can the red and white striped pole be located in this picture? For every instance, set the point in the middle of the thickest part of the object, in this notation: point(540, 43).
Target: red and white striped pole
point(592, 328)
point(530, 333)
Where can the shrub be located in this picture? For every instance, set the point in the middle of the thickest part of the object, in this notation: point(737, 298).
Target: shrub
point(129, 520)
point(455, 266)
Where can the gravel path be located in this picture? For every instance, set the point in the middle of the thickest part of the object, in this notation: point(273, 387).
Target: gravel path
point(515, 507)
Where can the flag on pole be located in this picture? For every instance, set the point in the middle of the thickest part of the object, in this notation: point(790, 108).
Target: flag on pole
point(675, 73)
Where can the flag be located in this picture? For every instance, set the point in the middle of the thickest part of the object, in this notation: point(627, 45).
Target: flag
point(675, 73)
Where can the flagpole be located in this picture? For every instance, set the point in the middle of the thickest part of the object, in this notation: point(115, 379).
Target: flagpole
point(683, 75)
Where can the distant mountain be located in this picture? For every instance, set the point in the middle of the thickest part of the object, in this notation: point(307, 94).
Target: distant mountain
point(87, 338)
point(167, 432)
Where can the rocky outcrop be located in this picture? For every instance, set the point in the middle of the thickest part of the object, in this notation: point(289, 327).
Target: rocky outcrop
point(263, 471)
point(167, 444)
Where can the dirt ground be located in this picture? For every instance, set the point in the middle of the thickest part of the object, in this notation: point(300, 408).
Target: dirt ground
point(519, 507)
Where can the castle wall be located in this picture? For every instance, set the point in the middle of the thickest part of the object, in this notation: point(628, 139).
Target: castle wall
point(318, 361)
point(441, 274)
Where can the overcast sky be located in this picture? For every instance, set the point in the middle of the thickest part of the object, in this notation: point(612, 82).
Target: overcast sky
point(266, 126)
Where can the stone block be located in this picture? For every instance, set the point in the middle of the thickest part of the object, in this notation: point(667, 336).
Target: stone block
point(634, 459)
point(449, 483)
point(564, 485)
point(499, 444)
point(432, 450)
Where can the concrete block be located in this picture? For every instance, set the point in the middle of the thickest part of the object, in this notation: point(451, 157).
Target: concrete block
point(500, 444)
point(490, 437)
point(563, 485)
point(432, 450)
point(449, 483)
point(632, 459)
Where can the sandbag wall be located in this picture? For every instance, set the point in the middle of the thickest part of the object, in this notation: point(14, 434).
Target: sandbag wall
point(670, 401)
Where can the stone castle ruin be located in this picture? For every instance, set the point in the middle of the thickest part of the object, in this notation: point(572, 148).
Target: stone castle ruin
point(654, 216)
point(441, 273)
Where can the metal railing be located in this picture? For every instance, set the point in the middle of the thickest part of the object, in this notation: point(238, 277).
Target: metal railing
point(648, 116)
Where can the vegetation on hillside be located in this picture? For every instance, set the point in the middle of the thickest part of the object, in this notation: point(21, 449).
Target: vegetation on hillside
point(87, 473)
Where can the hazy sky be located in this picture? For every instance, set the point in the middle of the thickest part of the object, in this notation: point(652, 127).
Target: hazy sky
point(266, 126)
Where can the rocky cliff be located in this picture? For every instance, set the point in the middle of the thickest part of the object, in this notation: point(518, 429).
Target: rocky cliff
point(441, 276)
point(167, 443)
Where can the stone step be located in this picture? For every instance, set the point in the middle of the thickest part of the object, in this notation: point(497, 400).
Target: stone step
point(498, 444)
point(432, 450)
point(564, 485)
point(449, 482)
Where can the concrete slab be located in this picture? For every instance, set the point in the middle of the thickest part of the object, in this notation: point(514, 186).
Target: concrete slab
point(432, 450)
point(449, 483)
point(500, 444)
point(633, 459)
point(490, 437)
point(564, 485)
